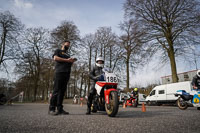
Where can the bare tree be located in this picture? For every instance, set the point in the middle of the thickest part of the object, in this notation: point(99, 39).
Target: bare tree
point(88, 44)
point(131, 44)
point(66, 31)
point(33, 48)
point(171, 24)
point(10, 28)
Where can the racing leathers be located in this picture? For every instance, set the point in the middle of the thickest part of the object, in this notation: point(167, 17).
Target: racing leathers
point(95, 73)
point(196, 82)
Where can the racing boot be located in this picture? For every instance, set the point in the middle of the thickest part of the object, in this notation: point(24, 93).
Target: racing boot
point(88, 111)
point(62, 112)
point(88, 108)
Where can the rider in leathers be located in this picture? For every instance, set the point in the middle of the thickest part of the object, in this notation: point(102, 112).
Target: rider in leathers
point(196, 81)
point(94, 75)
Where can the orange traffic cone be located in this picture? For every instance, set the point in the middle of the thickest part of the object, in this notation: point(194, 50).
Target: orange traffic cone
point(143, 108)
point(124, 105)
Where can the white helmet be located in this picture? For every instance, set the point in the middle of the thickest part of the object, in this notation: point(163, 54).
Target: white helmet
point(100, 59)
point(198, 73)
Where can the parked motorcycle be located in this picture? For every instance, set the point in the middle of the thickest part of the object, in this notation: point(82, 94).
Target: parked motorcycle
point(106, 98)
point(3, 99)
point(188, 99)
point(131, 100)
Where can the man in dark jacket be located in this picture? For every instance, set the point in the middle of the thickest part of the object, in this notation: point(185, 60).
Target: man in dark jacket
point(196, 81)
point(63, 64)
point(95, 74)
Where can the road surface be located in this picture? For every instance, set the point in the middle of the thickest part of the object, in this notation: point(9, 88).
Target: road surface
point(33, 118)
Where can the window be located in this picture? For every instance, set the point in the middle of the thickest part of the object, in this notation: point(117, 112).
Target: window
point(144, 96)
point(153, 93)
point(161, 92)
point(186, 76)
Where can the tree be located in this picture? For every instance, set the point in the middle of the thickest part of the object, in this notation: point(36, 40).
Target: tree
point(10, 28)
point(33, 48)
point(171, 24)
point(131, 43)
point(88, 44)
point(66, 31)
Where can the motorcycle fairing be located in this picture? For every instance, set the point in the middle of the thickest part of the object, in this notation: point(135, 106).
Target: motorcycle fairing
point(196, 99)
point(98, 88)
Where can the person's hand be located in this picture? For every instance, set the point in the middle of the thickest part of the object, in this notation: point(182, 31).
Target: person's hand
point(97, 78)
point(75, 59)
point(194, 87)
point(71, 60)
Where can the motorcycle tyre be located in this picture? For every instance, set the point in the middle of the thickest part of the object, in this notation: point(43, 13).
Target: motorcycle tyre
point(179, 104)
point(3, 101)
point(114, 108)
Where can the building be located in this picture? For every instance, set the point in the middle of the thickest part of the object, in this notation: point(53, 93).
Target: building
point(185, 76)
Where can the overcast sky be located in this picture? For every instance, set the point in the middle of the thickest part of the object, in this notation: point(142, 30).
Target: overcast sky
point(88, 15)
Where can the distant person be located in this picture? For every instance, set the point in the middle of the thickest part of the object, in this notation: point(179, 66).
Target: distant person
point(135, 92)
point(63, 64)
point(95, 74)
point(196, 81)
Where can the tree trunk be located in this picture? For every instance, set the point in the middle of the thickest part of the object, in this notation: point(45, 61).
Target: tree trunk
point(90, 60)
point(127, 73)
point(2, 46)
point(35, 89)
point(173, 66)
point(81, 87)
point(110, 57)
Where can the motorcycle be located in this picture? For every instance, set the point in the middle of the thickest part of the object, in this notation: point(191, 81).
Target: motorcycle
point(106, 98)
point(188, 99)
point(3, 99)
point(131, 100)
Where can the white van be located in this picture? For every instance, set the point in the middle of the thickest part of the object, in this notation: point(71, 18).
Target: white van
point(165, 93)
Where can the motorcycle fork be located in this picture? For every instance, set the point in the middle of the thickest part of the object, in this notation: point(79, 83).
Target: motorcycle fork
point(107, 94)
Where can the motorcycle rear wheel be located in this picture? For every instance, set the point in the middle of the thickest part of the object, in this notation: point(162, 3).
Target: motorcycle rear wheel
point(181, 104)
point(113, 106)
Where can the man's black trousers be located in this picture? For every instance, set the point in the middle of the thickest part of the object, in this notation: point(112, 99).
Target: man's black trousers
point(91, 95)
point(60, 85)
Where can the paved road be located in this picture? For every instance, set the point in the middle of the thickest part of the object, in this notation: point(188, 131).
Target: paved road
point(28, 118)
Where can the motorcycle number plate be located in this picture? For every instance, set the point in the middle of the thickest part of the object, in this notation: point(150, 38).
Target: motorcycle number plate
point(111, 78)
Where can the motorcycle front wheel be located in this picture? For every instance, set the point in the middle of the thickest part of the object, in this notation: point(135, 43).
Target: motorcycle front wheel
point(113, 106)
point(3, 101)
point(182, 104)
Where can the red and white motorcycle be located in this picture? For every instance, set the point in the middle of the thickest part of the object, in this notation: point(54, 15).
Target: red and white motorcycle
point(106, 98)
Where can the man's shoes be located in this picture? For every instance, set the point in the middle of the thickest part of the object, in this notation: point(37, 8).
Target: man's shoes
point(52, 112)
point(88, 112)
point(62, 112)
